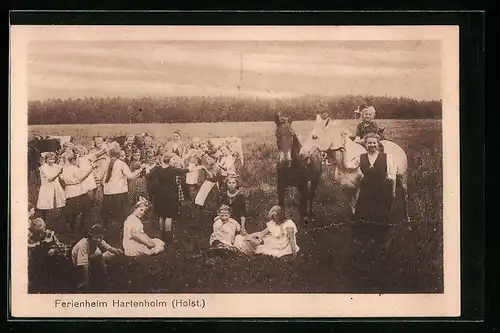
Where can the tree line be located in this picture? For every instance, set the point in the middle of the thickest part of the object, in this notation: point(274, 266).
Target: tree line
point(123, 110)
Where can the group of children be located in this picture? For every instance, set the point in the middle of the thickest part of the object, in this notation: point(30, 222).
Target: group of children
point(126, 184)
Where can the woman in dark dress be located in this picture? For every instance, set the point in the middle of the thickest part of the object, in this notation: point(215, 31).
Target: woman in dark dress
point(372, 214)
point(165, 191)
point(236, 201)
point(375, 196)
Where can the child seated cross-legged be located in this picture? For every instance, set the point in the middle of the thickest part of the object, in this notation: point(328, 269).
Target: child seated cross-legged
point(92, 252)
point(135, 240)
point(224, 231)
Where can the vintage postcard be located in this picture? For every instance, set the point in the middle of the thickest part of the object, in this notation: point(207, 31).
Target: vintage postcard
point(234, 171)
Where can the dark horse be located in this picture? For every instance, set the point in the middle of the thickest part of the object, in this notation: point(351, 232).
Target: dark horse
point(294, 171)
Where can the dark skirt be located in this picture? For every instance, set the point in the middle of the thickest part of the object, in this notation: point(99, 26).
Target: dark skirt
point(137, 188)
point(115, 207)
point(374, 202)
point(77, 211)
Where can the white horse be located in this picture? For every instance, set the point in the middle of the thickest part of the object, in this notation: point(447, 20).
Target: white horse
point(346, 153)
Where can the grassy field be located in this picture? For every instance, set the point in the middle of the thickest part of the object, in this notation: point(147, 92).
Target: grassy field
point(329, 261)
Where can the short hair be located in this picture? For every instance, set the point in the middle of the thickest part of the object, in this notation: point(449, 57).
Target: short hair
point(224, 208)
point(37, 224)
point(97, 230)
point(177, 132)
point(130, 136)
point(233, 177)
point(371, 135)
point(50, 155)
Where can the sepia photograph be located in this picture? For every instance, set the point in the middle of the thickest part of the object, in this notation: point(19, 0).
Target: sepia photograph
point(234, 171)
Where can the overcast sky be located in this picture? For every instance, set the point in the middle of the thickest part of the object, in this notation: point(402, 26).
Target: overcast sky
point(62, 69)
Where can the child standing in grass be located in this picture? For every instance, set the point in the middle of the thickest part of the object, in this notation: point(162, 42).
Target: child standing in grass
point(137, 187)
point(129, 147)
point(51, 194)
point(236, 201)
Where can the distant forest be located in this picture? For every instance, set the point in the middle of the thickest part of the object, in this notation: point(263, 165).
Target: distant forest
point(219, 109)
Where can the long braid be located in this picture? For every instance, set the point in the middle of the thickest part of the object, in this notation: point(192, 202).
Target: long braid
point(110, 170)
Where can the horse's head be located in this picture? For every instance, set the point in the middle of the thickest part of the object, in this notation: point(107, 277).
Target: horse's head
point(318, 138)
point(324, 137)
point(285, 136)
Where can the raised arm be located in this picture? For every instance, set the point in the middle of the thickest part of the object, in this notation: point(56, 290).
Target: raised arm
point(51, 179)
point(78, 178)
point(129, 174)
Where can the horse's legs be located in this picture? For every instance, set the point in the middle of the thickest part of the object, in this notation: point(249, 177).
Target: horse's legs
point(281, 192)
point(403, 183)
point(353, 199)
point(303, 204)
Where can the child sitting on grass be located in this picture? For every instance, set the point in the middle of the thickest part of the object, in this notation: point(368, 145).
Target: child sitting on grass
point(46, 253)
point(224, 230)
point(92, 252)
point(135, 240)
point(279, 236)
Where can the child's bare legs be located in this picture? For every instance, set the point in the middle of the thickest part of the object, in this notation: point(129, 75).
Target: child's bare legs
point(168, 230)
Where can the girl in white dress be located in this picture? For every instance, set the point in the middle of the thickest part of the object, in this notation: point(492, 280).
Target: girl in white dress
point(279, 236)
point(51, 194)
point(135, 241)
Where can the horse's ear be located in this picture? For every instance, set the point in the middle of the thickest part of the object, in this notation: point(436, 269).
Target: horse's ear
point(290, 121)
point(276, 118)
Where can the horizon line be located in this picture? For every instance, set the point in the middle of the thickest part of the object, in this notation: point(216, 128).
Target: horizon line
point(247, 97)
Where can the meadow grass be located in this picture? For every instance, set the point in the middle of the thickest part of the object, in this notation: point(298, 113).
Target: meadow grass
point(330, 261)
